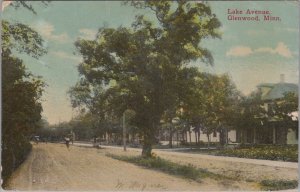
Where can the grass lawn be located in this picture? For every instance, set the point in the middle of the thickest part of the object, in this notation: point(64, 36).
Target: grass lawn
point(275, 185)
point(187, 171)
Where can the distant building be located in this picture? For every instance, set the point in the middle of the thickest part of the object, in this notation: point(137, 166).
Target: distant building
point(274, 131)
point(214, 137)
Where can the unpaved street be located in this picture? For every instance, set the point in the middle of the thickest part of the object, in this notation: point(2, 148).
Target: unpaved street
point(53, 167)
point(241, 168)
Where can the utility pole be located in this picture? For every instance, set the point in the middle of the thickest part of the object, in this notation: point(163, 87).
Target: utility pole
point(124, 132)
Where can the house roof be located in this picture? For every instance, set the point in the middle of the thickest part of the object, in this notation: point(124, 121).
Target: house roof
point(277, 90)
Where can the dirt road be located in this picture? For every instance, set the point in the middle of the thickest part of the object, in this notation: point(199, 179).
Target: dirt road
point(53, 167)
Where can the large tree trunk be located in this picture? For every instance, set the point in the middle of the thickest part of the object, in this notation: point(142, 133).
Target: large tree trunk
point(149, 138)
point(147, 146)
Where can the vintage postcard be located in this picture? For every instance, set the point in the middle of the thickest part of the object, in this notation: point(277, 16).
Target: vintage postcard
point(161, 95)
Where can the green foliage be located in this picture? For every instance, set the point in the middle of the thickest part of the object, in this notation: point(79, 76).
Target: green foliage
point(211, 104)
point(278, 153)
point(80, 95)
point(85, 126)
point(13, 154)
point(154, 162)
point(21, 111)
point(20, 37)
point(26, 5)
point(282, 110)
point(276, 185)
point(21, 94)
point(144, 68)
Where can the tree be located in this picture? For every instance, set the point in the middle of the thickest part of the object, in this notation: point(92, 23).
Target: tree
point(21, 94)
point(210, 105)
point(21, 110)
point(100, 110)
point(283, 113)
point(143, 64)
point(17, 4)
point(284, 108)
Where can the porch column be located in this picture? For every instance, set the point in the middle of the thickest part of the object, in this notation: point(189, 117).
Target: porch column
point(274, 135)
point(254, 135)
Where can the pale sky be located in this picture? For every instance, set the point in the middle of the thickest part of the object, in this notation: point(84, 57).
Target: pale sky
point(250, 52)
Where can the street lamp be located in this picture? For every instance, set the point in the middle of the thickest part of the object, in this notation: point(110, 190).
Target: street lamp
point(130, 74)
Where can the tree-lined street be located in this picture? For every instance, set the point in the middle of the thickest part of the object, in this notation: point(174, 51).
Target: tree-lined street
point(148, 80)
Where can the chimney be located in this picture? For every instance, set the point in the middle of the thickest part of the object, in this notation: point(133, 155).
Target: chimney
point(282, 78)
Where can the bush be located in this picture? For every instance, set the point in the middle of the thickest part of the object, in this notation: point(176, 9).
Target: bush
point(278, 184)
point(269, 152)
point(14, 152)
point(200, 144)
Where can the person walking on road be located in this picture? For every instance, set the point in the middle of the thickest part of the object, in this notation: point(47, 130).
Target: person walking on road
point(67, 139)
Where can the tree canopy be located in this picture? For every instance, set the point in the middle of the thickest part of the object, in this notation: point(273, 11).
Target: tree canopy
point(145, 67)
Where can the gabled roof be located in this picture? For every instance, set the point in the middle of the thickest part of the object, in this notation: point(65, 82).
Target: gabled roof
point(277, 90)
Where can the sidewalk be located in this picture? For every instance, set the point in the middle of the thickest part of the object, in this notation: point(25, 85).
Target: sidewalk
point(280, 164)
